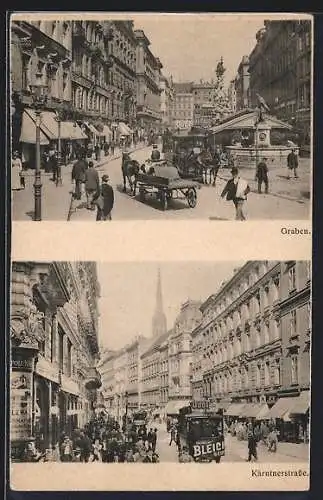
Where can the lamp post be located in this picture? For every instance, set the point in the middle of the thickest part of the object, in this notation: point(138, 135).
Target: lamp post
point(39, 97)
point(59, 149)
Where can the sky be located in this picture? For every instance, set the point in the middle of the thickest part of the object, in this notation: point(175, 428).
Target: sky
point(189, 46)
point(128, 294)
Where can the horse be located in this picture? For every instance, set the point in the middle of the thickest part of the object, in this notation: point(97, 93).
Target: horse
point(130, 170)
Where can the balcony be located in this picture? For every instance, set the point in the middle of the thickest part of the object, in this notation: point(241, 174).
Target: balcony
point(93, 379)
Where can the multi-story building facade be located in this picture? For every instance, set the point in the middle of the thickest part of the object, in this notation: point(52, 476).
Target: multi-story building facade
point(41, 54)
point(148, 71)
point(180, 355)
point(242, 85)
point(54, 350)
point(280, 71)
point(205, 110)
point(183, 106)
point(121, 384)
point(252, 343)
point(134, 352)
point(153, 373)
point(106, 367)
point(104, 72)
point(166, 101)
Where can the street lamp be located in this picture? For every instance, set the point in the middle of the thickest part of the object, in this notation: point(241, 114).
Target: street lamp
point(39, 98)
point(59, 149)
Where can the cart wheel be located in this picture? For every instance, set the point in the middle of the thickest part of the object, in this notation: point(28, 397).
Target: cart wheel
point(191, 197)
point(142, 194)
point(163, 199)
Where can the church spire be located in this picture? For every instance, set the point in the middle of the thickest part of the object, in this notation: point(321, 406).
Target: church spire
point(159, 325)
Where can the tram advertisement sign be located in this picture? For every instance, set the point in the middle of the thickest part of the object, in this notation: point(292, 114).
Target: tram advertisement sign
point(210, 447)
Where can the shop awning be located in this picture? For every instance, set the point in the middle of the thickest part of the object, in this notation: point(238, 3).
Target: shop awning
point(302, 404)
point(71, 131)
point(28, 131)
point(173, 407)
point(107, 132)
point(235, 409)
point(92, 129)
point(281, 408)
point(123, 129)
point(262, 412)
point(252, 410)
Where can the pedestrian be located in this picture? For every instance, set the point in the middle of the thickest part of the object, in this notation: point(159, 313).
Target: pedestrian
point(85, 447)
point(272, 440)
point(112, 147)
point(78, 176)
point(292, 164)
point(262, 175)
point(172, 435)
point(17, 178)
point(104, 200)
point(155, 154)
point(252, 445)
point(54, 166)
point(184, 456)
point(66, 451)
point(97, 451)
point(154, 440)
point(97, 152)
point(92, 185)
point(236, 190)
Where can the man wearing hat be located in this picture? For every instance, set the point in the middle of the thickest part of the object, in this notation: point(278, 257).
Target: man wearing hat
point(236, 190)
point(155, 154)
point(104, 200)
point(262, 175)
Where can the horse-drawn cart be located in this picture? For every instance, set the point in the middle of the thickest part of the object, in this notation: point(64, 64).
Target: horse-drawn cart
point(166, 185)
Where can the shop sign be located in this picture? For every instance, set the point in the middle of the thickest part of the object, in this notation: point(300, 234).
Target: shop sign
point(45, 369)
point(20, 407)
point(22, 361)
point(199, 405)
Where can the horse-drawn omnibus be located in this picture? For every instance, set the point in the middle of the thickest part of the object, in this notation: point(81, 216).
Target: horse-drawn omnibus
point(202, 432)
point(186, 148)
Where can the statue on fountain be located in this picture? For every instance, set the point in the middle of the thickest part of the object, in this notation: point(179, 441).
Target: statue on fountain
point(261, 107)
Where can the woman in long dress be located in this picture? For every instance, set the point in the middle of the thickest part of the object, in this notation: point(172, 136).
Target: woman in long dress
point(16, 170)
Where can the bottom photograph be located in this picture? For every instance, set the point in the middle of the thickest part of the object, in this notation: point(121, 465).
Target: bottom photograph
point(160, 362)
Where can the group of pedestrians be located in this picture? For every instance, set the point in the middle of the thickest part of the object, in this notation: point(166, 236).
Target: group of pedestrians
point(98, 196)
point(102, 440)
point(265, 433)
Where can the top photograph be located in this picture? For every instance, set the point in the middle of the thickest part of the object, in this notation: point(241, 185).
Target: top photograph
point(160, 116)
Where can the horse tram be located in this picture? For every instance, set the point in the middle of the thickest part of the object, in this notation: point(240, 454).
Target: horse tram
point(164, 183)
point(201, 430)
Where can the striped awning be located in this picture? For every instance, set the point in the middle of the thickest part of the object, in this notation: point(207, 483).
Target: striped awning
point(302, 404)
point(123, 129)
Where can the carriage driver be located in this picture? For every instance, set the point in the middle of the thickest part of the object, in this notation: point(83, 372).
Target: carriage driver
point(155, 154)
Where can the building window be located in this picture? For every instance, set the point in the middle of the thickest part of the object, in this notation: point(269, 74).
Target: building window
point(277, 372)
point(292, 279)
point(61, 350)
point(266, 374)
point(246, 377)
point(266, 332)
point(293, 323)
point(258, 376)
point(294, 370)
point(53, 339)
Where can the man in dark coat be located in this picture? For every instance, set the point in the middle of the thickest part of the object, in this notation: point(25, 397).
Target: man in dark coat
point(85, 446)
point(92, 185)
point(252, 445)
point(78, 175)
point(262, 175)
point(155, 154)
point(292, 163)
point(105, 200)
point(236, 189)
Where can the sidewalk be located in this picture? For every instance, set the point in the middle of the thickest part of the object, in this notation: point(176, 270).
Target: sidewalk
point(56, 200)
point(286, 452)
point(279, 185)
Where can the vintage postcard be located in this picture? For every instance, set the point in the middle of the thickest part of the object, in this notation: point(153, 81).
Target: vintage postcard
point(161, 116)
point(116, 365)
point(172, 335)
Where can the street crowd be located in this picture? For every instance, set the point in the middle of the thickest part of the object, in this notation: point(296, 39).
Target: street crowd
point(102, 440)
